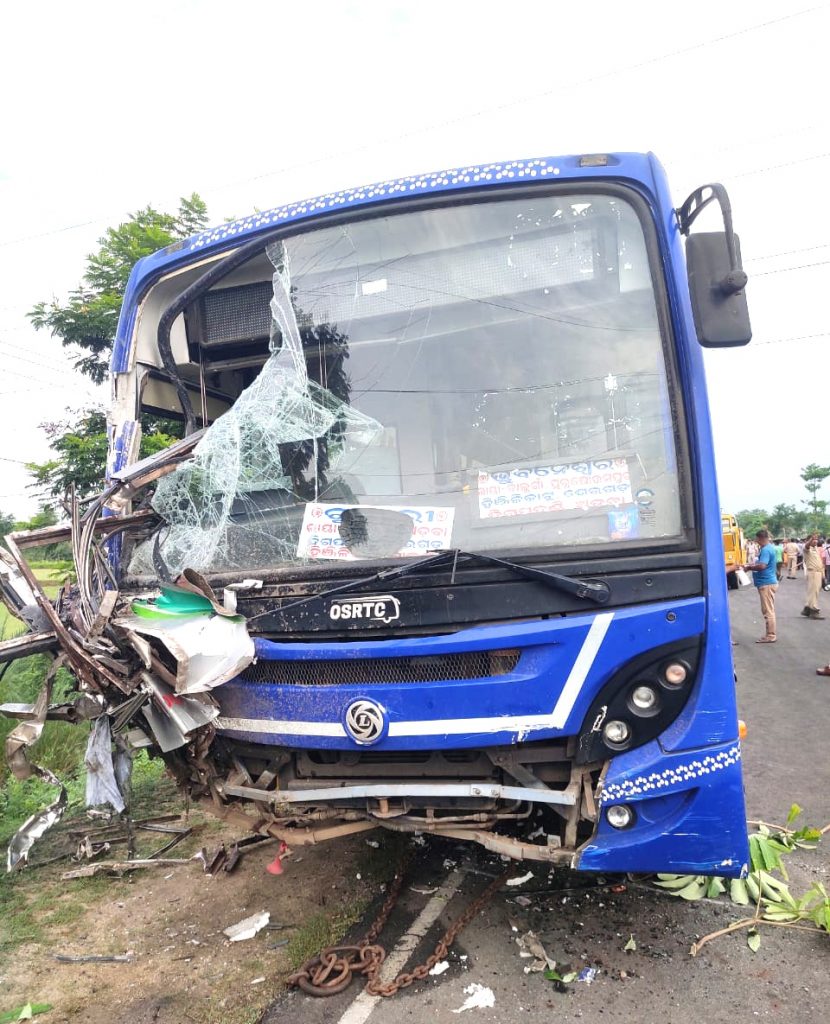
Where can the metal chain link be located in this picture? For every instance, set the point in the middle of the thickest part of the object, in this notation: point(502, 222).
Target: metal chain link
point(332, 970)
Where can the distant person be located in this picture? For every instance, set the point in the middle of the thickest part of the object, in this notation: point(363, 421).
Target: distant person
point(791, 558)
point(752, 550)
point(825, 557)
point(764, 576)
point(779, 559)
point(815, 577)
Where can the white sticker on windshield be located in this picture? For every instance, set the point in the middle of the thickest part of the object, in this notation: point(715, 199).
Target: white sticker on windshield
point(570, 487)
point(320, 533)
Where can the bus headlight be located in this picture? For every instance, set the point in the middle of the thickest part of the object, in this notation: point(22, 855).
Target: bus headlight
point(644, 698)
point(619, 816)
point(616, 732)
point(675, 674)
point(640, 700)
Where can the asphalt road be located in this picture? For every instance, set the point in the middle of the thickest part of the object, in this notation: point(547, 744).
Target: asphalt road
point(786, 707)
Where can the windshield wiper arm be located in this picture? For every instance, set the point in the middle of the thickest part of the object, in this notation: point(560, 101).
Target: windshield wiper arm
point(597, 591)
point(438, 559)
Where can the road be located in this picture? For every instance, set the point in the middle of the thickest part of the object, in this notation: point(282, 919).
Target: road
point(786, 707)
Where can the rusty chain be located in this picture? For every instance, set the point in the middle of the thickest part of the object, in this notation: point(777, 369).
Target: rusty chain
point(332, 969)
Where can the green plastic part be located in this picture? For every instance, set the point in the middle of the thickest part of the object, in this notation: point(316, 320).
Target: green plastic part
point(173, 603)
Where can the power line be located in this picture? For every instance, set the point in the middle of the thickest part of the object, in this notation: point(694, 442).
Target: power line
point(777, 167)
point(787, 252)
point(797, 337)
point(786, 270)
point(462, 118)
point(32, 362)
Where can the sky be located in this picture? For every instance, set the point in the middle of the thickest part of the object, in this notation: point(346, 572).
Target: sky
point(110, 107)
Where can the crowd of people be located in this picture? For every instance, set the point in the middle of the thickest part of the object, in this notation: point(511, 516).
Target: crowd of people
point(767, 560)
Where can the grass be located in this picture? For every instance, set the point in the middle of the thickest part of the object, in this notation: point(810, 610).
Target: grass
point(376, 864)
point(323, 929)
point(36, 901)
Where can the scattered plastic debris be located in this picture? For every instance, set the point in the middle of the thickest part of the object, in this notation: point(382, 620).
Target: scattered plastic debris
point(631, 945)
point(275, 867)
point(530, 946)
point(587, 974)
point(248, 928)
point(439, 968)
point(520, 880)
point(257, 981)
point(423, 890)
point(479, 997)
point(523, 901)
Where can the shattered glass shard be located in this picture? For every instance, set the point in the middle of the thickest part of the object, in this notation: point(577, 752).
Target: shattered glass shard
point(239, 501)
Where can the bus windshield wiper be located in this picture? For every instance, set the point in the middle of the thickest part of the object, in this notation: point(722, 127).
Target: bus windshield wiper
point(597, 591)
point(438, 559)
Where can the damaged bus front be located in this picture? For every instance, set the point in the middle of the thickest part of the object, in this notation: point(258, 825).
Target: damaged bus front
point(446, 492)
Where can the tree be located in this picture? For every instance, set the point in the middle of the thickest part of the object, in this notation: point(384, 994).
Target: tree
point(45, 516)
point(787, 521)
point(814, 476)
point(87, 322)
point(751, 520)
point(7, 524)
point(80, 450)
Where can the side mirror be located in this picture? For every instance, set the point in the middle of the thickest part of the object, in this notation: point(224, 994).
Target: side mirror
point(716, 276)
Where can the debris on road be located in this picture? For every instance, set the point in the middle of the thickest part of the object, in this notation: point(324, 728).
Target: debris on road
point(531, 947)
point(120, 867)
point(64, 958)
point(247, 928)
point(520, 880)
point(439, 968)
point(479, 997)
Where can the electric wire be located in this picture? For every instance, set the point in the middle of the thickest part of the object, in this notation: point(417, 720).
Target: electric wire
point(466, 117)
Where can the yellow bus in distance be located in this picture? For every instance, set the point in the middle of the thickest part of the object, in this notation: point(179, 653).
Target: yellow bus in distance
point(734, 545)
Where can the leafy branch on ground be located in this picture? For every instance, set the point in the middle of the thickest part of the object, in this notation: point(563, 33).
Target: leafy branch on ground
point(764, 887)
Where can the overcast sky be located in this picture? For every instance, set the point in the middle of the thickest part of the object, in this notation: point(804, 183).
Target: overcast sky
point(108, 107)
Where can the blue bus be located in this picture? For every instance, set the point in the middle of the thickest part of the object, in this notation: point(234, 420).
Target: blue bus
point(455, 464)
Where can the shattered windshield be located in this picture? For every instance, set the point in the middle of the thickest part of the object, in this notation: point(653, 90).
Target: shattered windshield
point(494, 372)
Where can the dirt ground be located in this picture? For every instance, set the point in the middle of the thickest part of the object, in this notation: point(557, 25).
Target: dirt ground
point(170, 920)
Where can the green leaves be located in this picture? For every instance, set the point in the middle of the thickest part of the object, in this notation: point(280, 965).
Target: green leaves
point(26, 1012)
point(88, 319)
point(80, 447)
point(562, 979)
point(766, 892)
point(765, 852)
point(739, 892)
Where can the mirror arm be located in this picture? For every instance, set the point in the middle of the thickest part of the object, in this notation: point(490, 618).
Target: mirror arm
point(735, 280)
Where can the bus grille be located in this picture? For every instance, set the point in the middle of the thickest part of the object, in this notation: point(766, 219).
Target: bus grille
point(356, 671)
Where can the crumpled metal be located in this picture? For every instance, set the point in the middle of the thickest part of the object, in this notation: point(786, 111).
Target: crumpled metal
point(18, 742)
